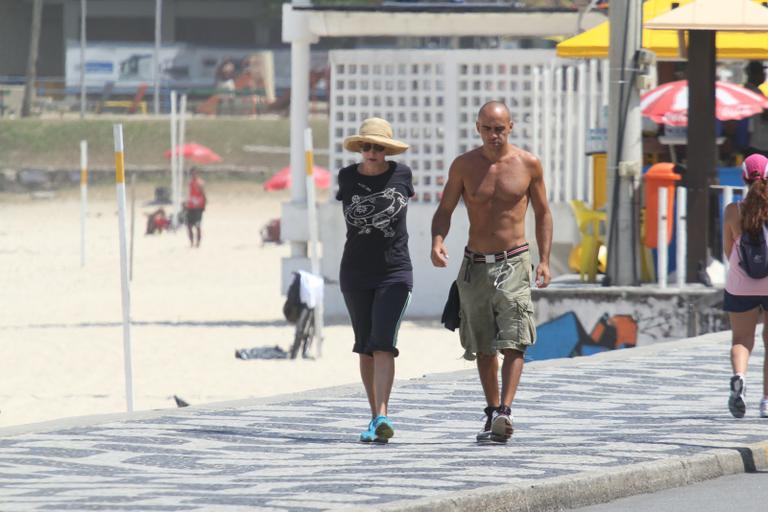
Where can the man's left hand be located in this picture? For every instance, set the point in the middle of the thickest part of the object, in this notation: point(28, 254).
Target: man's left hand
point(542, 275)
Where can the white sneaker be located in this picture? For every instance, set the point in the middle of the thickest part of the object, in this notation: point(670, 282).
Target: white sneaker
point(736, 403)
point(764, 408)
point(502, 425)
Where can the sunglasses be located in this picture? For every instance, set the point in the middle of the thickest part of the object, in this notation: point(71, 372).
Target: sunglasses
point(375, 147)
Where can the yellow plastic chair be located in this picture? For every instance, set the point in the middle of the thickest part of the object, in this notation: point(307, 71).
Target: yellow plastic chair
point(647, 266)
point(588, 221)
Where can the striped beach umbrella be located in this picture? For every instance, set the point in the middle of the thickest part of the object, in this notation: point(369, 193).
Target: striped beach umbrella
point(668, 103)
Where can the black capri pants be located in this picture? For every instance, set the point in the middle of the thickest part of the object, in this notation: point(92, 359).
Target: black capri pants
point(376, 315)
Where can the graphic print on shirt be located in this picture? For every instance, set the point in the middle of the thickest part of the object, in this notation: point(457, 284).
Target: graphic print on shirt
point(375, 211)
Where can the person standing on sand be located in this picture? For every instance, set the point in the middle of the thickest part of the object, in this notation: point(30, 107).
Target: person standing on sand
point(496, 181)
point(195, 207)
point(375, 274)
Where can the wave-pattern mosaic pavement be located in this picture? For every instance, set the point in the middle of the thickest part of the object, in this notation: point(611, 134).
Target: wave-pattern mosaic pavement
point(571, 416)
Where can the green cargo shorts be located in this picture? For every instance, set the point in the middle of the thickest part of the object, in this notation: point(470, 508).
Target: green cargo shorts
point(496, 307)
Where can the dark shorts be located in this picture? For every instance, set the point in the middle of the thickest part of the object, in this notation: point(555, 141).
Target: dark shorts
point(743, 303)
point(194, 216)
point(376, 316)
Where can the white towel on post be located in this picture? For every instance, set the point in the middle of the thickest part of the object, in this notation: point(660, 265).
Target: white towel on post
point(310, 289)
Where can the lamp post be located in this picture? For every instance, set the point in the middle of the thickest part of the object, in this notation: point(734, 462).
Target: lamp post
point(156, 58)
point(83, 13)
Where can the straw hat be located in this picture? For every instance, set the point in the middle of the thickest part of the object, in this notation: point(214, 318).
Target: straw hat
point(375, 131)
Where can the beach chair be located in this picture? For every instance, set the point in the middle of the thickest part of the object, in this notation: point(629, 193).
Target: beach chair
point(588, 221)
point(131, 106)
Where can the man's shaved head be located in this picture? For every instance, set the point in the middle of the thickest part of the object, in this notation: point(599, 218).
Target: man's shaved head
point(494, 108)
point(494, 125)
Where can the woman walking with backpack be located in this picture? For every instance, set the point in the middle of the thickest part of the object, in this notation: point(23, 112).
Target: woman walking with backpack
point(746, 283)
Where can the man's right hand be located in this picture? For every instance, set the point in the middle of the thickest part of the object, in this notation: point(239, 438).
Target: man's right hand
point(439, 254)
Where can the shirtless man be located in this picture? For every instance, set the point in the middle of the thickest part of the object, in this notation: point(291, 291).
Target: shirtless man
point(496, 181)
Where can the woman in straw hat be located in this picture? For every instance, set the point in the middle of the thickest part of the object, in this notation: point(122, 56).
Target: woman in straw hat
point(376, 274)
point(746, 294)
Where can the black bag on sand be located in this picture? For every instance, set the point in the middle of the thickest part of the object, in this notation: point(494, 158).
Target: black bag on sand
point(293, 305)
point(450, 318)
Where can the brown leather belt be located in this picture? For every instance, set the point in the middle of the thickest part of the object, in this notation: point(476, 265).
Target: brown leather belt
point(493, 258)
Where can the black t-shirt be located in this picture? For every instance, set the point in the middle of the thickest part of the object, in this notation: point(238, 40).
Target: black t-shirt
point(375, 207)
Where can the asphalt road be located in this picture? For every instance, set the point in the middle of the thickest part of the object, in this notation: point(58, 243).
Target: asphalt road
point(747, 492)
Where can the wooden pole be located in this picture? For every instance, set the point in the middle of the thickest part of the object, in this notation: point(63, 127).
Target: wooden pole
point(83, 196)
point(156, 55)
point(133, 223)
point(313, 232)
point(83, 13)
point(174, 161)
point(702, 144)
point(682, 235)
point(34, 45)
point(125, 286)
point(661, 238)
point(181, 134)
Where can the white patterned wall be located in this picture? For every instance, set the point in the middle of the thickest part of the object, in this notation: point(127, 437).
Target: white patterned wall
point(431, 98)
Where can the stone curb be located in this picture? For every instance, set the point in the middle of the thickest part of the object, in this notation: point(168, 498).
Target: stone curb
point(591, 488)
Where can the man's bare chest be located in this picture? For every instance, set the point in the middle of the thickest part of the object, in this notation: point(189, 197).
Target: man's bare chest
point(507, 185)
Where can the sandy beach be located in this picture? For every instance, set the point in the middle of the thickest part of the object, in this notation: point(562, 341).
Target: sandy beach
point(61, 343)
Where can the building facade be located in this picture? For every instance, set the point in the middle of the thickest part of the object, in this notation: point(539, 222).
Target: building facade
point(230, 23)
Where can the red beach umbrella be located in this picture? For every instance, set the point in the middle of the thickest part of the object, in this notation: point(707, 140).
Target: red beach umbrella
point(282, 178)
point(195, 152)
point(668, 103)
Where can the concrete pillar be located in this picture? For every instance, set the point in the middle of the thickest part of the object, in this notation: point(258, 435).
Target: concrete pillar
point(624, 145)
point(296, 32)
point(299, 115)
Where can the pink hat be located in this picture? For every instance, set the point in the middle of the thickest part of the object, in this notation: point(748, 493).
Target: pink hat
point(754, 167)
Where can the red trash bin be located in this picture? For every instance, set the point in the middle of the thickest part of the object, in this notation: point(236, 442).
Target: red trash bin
point(659, 175)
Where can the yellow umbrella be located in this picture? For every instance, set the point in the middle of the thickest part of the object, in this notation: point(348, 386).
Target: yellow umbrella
point(730, 45)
